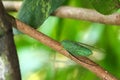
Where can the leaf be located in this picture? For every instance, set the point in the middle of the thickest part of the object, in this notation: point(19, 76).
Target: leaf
point(75, 48)
point(106, 6)
point(35, 12)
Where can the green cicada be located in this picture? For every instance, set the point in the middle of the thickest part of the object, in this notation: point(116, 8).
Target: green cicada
point(77, 49)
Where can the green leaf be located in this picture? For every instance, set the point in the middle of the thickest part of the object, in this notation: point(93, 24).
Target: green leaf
point(35, 12)
point(75, 48)
point(106, 6)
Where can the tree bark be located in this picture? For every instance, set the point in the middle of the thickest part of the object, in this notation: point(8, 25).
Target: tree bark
point(9, 65)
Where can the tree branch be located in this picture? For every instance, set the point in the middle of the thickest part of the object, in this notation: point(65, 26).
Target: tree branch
point(8, 54)
point(12, 5)
point(87, 14)
point(85, 62)
point(74, 13)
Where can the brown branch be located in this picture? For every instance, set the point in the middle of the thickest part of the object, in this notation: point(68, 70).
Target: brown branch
point(85, 62)
point(8, 54)
point(87, 14)
point(12, 5)
point(74, 13)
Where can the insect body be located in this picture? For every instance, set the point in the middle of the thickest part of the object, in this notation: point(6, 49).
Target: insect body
point(75, 48)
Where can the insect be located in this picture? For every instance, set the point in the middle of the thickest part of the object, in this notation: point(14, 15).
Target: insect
point(77, 49)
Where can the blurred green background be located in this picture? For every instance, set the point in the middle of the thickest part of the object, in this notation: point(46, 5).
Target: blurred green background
point(39, 62)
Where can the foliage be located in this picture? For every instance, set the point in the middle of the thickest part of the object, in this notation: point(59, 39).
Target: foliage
point(39, 62)
point(106, 6)
point(36, 11)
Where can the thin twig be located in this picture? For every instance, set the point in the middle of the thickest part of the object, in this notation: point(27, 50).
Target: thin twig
point(73, 13)
point(85, 62)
